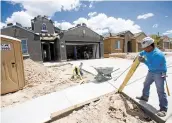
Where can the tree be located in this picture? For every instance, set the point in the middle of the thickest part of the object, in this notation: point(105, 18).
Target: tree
point(156, 39)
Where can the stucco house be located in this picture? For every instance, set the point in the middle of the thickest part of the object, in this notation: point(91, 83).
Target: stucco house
point(165, 43)
point(45, 42)
point(122, 42)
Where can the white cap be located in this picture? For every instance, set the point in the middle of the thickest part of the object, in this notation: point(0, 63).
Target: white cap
point(147, 41)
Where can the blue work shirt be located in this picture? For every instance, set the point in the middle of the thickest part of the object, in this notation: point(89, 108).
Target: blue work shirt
point(155, 61)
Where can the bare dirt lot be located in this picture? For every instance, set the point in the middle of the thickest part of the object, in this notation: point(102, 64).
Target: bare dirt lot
point(41, 80)
point(113, 108)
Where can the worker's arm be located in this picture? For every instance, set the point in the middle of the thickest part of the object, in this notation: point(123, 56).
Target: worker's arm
point(142, 57)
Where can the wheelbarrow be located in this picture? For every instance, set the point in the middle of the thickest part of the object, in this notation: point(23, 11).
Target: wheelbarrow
point(104, 73)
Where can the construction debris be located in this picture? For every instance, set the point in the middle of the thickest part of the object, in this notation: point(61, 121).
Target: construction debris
point(113, 108)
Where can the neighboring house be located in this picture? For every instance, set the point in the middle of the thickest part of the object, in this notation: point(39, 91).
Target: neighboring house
point(45, 42)
point(139, 37)
point(123, 42)
point(165, 43)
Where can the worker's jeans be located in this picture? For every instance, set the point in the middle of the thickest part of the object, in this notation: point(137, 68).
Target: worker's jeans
point(160, 83)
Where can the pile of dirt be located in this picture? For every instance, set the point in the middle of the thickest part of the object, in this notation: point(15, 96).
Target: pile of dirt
point(113, 108)
point(37, 73)
point(124, 55)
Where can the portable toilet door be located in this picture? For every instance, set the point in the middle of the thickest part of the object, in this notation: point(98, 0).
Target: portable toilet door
point(12, 71)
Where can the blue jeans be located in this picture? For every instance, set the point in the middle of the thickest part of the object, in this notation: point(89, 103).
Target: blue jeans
point(160, 83)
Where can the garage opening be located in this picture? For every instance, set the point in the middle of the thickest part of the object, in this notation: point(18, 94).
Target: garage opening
point(80, 51)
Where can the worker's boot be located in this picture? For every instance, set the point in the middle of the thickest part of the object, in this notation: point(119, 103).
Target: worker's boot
point(162, 113)
point(142, 98)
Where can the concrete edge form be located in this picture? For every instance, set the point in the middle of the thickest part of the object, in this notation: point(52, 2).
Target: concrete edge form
point(148, 113)
point(62, 113)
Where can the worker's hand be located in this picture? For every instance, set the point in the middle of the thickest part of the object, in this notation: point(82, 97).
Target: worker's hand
point(141, 59)
point(164, 75)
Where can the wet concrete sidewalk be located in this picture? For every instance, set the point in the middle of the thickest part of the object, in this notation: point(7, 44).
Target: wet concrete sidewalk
point(40, 109)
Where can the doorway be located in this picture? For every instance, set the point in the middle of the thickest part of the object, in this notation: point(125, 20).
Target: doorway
point(48, 51)
point(129, 46)
point(52, 51)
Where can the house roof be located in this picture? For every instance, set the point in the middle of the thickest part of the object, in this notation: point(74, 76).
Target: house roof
point(80, 27)
point(123, 32)
point(137, 34)
point(9, 37)
point(45, 17)
point(116, 34)
point(21, 28)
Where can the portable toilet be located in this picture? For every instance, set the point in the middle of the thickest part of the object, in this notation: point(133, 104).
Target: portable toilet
point(12, 70)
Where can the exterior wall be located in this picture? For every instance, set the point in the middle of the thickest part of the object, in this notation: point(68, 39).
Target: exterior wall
point(107, 46)
point(77, 35)
point(128, 37)
point(161, 45)
point(33, 42)
point(113, 45)
point(134, 45)
point(139, 47)
point(139, 39)
point(38, 25)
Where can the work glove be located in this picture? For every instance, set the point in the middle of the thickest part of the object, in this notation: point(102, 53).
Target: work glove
point(164, 75)
point(141, 59)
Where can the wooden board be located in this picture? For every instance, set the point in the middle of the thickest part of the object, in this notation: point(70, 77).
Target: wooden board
point(62, 113)
point(130, 73)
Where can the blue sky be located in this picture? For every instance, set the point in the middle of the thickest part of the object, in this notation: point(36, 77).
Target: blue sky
point(106, 15)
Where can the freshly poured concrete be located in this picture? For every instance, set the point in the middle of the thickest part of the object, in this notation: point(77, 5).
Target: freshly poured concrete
point(135, 85)
point(39, 110)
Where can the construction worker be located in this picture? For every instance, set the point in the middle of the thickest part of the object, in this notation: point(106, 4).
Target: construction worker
point(156, 63)
point(80, 68)
point(77, 71)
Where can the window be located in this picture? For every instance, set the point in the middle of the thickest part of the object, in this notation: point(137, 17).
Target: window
point(117, 45)
point(24, 46)
point(44, 27)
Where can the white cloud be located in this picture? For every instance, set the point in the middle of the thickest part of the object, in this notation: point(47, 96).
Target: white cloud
point(21, 17)
point(39, 7)
point(63, 25)
point(155, 26)
point(166, 16)
point(101, 24)
point(91, 4)
point(2, 25)
point(168, 32)
point(91, 14)
point(145, 16)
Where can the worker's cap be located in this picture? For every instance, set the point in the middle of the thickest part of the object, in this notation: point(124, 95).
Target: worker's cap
point(147, 41)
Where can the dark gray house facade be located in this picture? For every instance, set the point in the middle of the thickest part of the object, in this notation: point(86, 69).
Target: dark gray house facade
point(31, 45)
point(45, 42)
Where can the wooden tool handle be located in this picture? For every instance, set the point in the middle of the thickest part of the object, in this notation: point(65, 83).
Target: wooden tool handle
point(168, 91)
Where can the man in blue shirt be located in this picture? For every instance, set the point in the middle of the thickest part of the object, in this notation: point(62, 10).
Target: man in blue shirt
point(156, 63)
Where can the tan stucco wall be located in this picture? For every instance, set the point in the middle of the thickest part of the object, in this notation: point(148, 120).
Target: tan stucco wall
point(113, 45)
point(107, 44)
point(139, 39)
point(134, 46)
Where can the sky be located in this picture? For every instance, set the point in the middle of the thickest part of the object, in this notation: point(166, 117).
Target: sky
point(101, 16)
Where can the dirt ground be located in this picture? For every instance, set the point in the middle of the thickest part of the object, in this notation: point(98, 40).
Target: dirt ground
point(113, 108)
point(131, 56)
point(41, 80)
